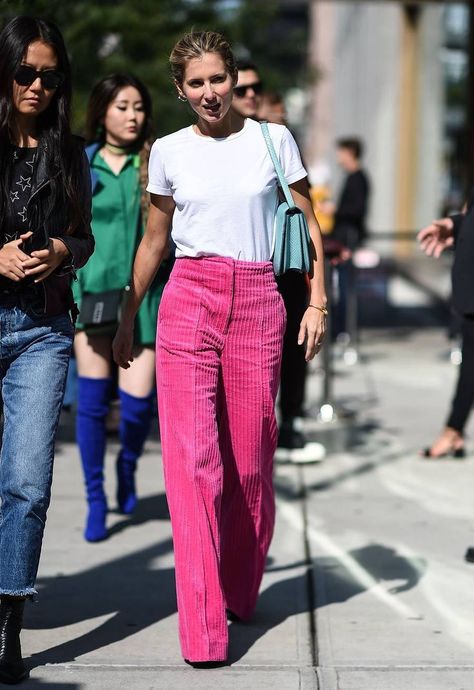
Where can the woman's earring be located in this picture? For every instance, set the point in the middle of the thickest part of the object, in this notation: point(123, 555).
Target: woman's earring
point(182, 98)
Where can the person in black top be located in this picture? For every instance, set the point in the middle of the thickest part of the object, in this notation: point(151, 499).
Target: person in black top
point(250, 100)
point(45, 203)
point(349, 218)
point(351, 210)
point(456, 231)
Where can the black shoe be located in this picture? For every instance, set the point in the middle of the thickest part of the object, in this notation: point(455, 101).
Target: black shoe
point(12, 668)
point(206, 664)
point(290, 437)
point(469, 555)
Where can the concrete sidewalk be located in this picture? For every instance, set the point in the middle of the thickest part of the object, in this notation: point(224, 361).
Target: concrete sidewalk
point(388, 530)
point(365, 588)
point(106, 613)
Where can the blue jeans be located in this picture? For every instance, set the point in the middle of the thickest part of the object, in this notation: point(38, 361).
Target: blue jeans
point(34, 356)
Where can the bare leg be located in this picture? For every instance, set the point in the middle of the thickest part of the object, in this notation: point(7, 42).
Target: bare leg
point(139, 380)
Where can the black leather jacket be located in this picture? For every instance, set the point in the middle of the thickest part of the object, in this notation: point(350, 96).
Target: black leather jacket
point(47, 208)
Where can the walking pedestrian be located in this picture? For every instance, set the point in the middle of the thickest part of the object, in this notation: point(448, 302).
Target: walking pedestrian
point(248, 90)
point(456, 231)
point(250, 100)
point(118, 130)
point(351, 209)
point(272, 108)
point(350, 214)
point(220, 331)
point(45, 228)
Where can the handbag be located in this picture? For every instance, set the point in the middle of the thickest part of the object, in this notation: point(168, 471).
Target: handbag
point(100, 312)
point(291, 251)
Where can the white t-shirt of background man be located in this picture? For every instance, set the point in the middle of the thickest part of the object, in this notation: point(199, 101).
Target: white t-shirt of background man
point(225, 190)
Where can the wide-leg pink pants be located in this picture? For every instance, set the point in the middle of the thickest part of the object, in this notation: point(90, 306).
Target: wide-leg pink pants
point(221, 325)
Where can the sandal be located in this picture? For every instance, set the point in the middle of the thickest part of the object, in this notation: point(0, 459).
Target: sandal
point(450, 441)
point(453, 452)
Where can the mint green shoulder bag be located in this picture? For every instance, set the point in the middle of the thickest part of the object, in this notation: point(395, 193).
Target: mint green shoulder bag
point(292, 240)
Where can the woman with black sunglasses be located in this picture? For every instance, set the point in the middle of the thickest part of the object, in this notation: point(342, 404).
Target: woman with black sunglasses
point(45, 205)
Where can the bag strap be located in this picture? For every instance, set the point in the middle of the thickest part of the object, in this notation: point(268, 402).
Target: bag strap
point(277, 165)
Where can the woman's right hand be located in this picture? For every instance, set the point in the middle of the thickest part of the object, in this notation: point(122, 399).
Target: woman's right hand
point(12, 259)
point(122, 346)
point(437, 237)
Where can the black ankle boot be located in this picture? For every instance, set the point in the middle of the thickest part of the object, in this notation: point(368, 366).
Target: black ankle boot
point(12, 668)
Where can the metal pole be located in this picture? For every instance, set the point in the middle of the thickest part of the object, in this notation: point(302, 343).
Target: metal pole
point(326, 411)
point(351, 325)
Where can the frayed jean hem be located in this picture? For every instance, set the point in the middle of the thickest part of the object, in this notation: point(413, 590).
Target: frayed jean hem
point(29, 592)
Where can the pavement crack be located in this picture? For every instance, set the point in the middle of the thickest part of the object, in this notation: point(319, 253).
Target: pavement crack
point(309, 568)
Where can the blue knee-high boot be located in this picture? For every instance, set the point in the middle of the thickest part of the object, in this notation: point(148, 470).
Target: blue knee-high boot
point(92, 407)
point(135, 420)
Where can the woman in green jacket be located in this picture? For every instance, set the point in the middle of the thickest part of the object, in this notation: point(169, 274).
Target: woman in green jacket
point(118, 128)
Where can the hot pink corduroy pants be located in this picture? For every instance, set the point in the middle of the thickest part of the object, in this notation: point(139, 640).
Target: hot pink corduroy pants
point(220, 331)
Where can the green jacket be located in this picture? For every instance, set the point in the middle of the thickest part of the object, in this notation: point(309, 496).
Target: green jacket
point(117, 228)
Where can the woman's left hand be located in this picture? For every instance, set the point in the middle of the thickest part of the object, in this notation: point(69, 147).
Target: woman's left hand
point(312, 329)
point(44, 261)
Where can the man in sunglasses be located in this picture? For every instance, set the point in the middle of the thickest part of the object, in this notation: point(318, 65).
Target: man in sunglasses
point(247, 93)
point(292, 444)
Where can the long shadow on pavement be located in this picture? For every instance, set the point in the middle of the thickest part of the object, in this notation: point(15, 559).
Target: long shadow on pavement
point(277, 603)
point(134, 590)
point(136, 597)
point(366, 467)
point(335, 585)
point(148, 509)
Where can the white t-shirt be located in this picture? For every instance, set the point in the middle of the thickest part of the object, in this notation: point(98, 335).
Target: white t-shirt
point(225, 190)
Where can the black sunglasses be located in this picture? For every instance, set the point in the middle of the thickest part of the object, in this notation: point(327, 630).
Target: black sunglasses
point(241, 91)
point(50, 78)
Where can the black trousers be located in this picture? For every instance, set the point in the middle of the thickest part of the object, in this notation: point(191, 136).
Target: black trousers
point(293, 289)
point(464, 395)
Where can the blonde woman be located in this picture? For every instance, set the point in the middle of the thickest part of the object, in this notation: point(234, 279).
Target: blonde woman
point(220, 331)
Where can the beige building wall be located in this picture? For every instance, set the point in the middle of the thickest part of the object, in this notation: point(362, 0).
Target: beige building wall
point(364, 89)
point(430, 118)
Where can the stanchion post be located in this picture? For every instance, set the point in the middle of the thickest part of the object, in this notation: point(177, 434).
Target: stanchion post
point(326, 410)
point(350, 352)
point(351, 326)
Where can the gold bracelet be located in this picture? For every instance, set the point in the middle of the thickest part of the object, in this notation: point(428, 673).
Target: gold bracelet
point(323, 310)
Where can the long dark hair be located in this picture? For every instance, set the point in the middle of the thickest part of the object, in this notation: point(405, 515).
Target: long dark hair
point(56, 142)
point(101, 97)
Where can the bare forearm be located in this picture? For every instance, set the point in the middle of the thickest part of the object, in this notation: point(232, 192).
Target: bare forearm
point(147, 262)
point(152, 250)
point(313, 323)
point(317, 277)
